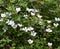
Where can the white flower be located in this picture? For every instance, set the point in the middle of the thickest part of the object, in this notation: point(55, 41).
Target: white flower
point(40, 23)
point(14, 26)
point(11, 22)
point(20, 25)
point(39, 16)
point(55, 24)
point(48, 21)
point(25, 16)
point(18, 9)
point(26, 29)
point(48, 30)
point(3, 15)
point(57, 19)
point(32, 13)
point(49, 44)
point(30, 10)
point(27, 9)
point(30, 28)
point(30, 41)
point(33, 33)
point(7, 21)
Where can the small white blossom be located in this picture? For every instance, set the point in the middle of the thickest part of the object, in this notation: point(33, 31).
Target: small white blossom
point(48, 30)
point(26, 29)
point(3, 15)
point(30, 28)
point(14, 26)
point(48, 21)
point(18, 9)
point(30, 41)
point(11, 22)
point(55, 24)
point(39, 16)
point(49, 44)
point(20, 25)
point(32, 13)
point(30, 10)
point(25, 16)
point(40, 23)
point(27, 9)
point(7, 21)
point(57, 19)
point(33, 33)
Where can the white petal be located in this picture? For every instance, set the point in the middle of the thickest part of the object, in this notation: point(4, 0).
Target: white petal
point(3, 15)
point(30, 41)
point(18, 9)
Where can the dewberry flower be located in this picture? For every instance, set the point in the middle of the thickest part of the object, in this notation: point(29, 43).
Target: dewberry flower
point(26, 29)
point(48, 21)
point(30, 10)
point(14, 26)
point(48, 30)
point(25, 16)
point(33, 33)
point(39, 16)
point(49, 44)
point(3, 15)
point(32, 13)
point(56, 24)
point(20, 25)
point(40, 23)
point(11, 22)
point(30, 41)
point(27, 9)
point(18, 9)
point(30, 28)
point(57, 19)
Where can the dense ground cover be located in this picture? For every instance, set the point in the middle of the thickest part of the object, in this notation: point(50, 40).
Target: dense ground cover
point(29, 24)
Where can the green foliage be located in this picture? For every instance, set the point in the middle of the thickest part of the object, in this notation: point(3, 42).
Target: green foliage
point(14, 38)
